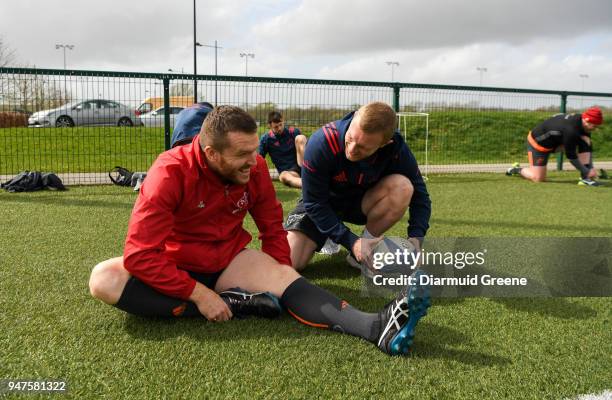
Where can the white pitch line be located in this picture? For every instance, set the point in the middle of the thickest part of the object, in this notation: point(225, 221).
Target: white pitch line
point(605, 395)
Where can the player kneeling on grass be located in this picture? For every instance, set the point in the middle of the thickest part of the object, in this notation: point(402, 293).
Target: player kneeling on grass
point(185, 250)
point(568, 131)
point(357, 170)
point(286, 148)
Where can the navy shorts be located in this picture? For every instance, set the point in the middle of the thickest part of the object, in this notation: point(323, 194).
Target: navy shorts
point(347, 210)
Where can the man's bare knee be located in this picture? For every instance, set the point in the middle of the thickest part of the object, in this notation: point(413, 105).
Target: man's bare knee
point(300, 140)
point(108, 279)
point(302, 249)
point(285, 273)
point(298, 265)
point(403, 191)
point(285, 178)
point(400, 191)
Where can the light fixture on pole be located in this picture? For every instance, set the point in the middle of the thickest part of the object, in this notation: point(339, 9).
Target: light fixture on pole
point(246, 73)
point(582, 78)
point(246, 59)
point(393, 64)
point(64, 47)
point(215, 47)
point(481, 71)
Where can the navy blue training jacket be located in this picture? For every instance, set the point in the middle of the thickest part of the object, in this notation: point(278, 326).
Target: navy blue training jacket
point(281, 148)
point(328, 178)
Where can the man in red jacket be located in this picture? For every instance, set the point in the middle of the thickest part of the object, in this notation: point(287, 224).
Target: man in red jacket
point(185, 251)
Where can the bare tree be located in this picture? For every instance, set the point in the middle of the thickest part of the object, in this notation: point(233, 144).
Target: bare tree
point(181, 89)
point(7, 54)
point(34, 92)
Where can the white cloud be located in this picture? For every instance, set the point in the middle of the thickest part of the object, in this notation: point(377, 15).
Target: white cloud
point(522, 43)
point(323, 26)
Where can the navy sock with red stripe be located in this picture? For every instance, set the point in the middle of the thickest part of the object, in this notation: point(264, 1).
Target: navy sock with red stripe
point(317, 307)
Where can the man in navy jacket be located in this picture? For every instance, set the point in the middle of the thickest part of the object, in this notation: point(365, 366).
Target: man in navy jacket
point(357, 170)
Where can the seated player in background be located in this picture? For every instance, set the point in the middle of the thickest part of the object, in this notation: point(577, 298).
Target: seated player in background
point(357, 170)
point(562, 131)
point(286, 148)
point(185, 252)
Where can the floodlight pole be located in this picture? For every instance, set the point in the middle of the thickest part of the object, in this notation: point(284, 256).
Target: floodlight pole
point(481, 70)
point(64, 47)
point(246, 59)
point(582, 78)
point(246, 56)
point(393, 64)
point(216, 47)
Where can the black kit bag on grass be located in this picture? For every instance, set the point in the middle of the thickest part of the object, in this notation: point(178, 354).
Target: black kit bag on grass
point(30, 181)
point(121, 176)
point(124, 177)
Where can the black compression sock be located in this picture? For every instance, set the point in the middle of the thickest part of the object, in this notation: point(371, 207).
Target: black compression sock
point(140, 299)
point(317, 307)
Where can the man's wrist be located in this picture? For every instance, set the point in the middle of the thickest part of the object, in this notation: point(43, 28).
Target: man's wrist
point(416, 241)
point(199, 292)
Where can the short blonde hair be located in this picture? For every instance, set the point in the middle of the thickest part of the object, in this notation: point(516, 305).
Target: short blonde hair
point(377, 117)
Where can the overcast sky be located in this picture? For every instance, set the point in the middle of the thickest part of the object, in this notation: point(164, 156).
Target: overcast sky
point(543, 44)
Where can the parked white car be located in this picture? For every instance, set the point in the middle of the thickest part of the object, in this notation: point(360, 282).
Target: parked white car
point(86, 112)
point(155, 118)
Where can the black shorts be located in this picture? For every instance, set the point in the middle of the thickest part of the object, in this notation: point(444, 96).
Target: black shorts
point(536, 157)
point(207, 279)
point(346, 210)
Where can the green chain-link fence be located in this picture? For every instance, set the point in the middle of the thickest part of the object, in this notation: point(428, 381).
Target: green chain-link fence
point(83, 123)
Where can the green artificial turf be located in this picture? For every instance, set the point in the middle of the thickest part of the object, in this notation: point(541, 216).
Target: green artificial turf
point(541, 348)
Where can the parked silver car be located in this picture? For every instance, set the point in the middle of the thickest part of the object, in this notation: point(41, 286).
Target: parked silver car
point(156, 118)
point(86, 112)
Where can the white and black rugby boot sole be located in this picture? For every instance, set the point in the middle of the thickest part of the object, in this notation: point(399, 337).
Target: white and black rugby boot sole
point(400, 317)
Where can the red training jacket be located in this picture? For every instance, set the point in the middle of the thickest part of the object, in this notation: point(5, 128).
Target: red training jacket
point(186, 216)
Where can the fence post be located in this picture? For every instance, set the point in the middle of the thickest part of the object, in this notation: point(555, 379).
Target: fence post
point(562, 110)
point(166, 113)
point(396, 98)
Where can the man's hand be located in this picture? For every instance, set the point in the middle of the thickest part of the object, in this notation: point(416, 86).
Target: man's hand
point(417, 248)
point(210, 304)
point(416, 242)
point(592, 173)
point(357, 250)
point(362, 249)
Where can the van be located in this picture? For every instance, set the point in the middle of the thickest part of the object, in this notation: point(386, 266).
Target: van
point(153, 103)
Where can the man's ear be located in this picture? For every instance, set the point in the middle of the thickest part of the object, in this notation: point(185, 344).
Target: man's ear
point(211, 153)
